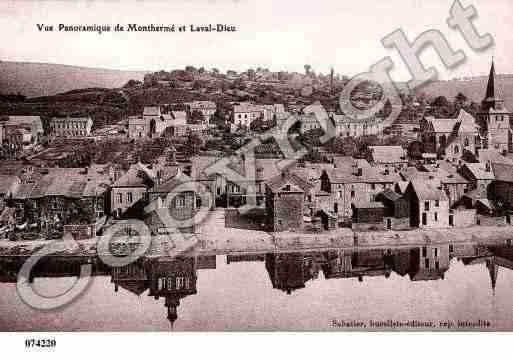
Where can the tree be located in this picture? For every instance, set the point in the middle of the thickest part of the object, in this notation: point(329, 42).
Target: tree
point(440, 101)
point(460, 98)
point(193, 144)
point(196, 117)
point(132, 83)
point(307, 69)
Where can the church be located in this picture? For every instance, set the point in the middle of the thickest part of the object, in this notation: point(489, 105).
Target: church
point(495, 116)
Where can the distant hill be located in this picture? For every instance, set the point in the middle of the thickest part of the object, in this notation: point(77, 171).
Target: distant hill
point(474, 88)
point(38, 79)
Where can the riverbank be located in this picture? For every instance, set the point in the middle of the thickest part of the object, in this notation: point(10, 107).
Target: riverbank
point(229, 240)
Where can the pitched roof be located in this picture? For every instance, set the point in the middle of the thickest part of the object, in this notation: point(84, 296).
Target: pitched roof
point(479, 172)
point(172, 183)
point(445, 125)
point(491, 155)
point(427, 190)
point(277, 183)
point(503, 172)
point(493, 88)
point(388, 154)
point(369, 174)
point(33, 121)
point(136, 176)
point(391, 195)
point(151, 111)
point(467, 122)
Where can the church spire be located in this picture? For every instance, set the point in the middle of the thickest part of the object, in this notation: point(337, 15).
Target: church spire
point(493, 97)
point(493, 270)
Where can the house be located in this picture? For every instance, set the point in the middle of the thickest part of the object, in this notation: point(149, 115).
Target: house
point(285, 199)
point(451, 138)
point(32, 126)
point(429, 205)
point(444, 174)
point(480, 177)
point(397, 210)
point(352, 181)
point(393, 157)
point(61, 197)
point(245, 112)
point(131, 188)
point(503, 184)
point(206, 108)
point(496, 116)
point(346, 126)
point(178, 207)
point(138, 128)
point(367, 216)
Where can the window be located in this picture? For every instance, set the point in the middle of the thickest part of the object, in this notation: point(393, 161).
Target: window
point(466, 142)
point(426, 205)
point(373, 186)
point(436, 252)
point(456, 149)
point(335, 207)
point(129, 197)
point(424, 251)
point(426, 262)
point(436, 217)
point(437, 203)
point(120, 197)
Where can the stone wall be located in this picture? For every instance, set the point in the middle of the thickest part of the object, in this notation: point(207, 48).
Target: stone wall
point(398, 223)
point(491, 221)
point(464, 218)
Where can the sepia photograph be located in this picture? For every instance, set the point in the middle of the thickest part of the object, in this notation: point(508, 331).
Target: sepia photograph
point(255, 166)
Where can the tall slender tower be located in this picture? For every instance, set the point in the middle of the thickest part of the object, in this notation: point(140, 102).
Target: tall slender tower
point(495, 116)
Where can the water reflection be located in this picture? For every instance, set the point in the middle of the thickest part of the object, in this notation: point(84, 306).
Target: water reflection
point(170, 280)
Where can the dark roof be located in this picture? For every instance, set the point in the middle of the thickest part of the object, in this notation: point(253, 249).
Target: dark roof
point(503, 172)
point(391, 195)
point(276, 183)
point(427, 190)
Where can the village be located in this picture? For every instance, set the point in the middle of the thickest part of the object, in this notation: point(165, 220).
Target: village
point(422, 173)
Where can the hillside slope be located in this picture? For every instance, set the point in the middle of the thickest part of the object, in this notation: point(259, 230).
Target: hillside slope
point(474, 88)
point(38, 79)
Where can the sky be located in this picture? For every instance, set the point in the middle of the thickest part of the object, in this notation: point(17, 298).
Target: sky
point(279, 35)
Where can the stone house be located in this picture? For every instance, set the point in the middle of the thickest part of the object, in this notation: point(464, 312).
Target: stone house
point(353, 181)
point(391, 157)
point(167, 202)
point(206, 108)
point(32, 126)
point(480, 177)
point(63, 196)
point(397, 210)
point(286, 195)
point(346, 126)
point(367, 216)
point(429, 205)
point(503, 184)
point(130, 188)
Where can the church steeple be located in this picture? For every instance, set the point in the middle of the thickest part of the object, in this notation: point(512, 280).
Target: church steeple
point(493, 270)
point(493, 97)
